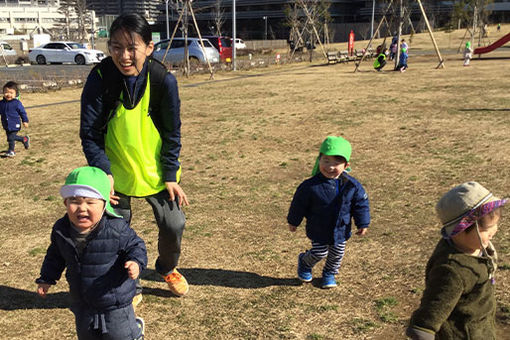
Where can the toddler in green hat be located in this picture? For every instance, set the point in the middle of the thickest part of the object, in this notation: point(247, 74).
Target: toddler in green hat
point(103, 257)
point(329, 201)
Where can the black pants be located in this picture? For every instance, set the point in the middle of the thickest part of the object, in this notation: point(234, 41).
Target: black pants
point(170, 220)
point(12, 138)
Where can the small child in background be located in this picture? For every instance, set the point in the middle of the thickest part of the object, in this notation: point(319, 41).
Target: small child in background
point(380, 61)
point(468, 53)
point(13, 114)
point(402, 61)
point(103, 257)
point(328, 200)
point(458, 301)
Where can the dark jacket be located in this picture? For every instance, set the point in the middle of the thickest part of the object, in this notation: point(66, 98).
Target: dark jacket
point(94, 119)
point(13, 113)
point(458, 301)
point(97, 279)
point(329, 205)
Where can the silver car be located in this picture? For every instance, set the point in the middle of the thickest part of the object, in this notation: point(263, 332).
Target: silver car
point(175, 53)
point(6, 49)
point(64, 52)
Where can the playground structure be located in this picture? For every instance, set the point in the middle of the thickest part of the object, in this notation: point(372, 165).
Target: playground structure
point(497, 44)
point(401, 21)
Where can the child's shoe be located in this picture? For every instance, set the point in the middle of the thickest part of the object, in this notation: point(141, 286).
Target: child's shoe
point(141, 324)
point(26, 141)
point(303, 272)
point(177, 283)
point(328, 280)
point(10, 154)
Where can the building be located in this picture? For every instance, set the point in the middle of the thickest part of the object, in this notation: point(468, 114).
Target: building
point(107, 11)
point(28, 16)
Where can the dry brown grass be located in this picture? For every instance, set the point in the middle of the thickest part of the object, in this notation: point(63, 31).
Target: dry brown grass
point(247, 143)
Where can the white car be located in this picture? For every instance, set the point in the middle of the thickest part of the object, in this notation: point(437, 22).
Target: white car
point(240, 44)
point(175, 54)
point(64, 52)
point(6, 49)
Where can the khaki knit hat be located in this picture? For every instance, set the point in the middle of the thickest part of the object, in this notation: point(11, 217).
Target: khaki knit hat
point(463, 205)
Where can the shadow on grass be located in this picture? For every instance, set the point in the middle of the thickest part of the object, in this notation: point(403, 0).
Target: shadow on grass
point(15, 298)
point(224, 278)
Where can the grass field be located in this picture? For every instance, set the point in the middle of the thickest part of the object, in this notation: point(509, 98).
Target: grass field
point(248, 140)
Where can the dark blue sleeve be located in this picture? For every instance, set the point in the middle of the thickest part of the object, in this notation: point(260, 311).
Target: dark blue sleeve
point(22, 113)
point(170, 131)
point(134, 247)
point(298, 206)
point(92, 123)
point(53, 264)
point(360, 208)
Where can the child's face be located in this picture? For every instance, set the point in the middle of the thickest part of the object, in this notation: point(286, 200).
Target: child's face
point(9, 94)
point(487, 226)
point(332, 166)
point(129, 51)
point(84, 212)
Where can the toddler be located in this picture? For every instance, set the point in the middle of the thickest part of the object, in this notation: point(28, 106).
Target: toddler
point(13, 114)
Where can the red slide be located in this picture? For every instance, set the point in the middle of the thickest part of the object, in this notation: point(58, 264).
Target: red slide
point(492, 47)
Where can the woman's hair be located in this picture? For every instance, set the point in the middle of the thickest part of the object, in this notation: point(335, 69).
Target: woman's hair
point(132, 23)
point(11, 85)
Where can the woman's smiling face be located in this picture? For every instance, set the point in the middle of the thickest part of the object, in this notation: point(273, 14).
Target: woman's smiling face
point(129, 52)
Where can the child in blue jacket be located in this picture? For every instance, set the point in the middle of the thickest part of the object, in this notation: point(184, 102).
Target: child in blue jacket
point(103, 257)
point(13, 114)
point(402, 62)
point(329, 200)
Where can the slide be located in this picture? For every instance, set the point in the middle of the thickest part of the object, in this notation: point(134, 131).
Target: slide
point(493, 46)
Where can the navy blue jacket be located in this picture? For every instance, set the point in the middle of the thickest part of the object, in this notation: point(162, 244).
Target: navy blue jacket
point(97, 279)
point(93, 118)
point(329, 205)
point(13, 113)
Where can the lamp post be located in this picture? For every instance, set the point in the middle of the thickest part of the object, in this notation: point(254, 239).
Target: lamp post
point(167, 24)
point(265, 27)
point(372, 25)
point(234, 34)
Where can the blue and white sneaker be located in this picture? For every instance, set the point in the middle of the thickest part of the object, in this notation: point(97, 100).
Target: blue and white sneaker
point(141, 324)
point(304, 273)
point(328, 280)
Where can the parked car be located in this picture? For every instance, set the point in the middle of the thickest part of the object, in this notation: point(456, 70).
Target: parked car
point(64, 52)
point(175, 54)
point(6, 49)
point(240, 44)
point(223, 45)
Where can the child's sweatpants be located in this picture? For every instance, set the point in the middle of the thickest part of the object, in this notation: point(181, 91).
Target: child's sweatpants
point(117, 324)
point(333, 253)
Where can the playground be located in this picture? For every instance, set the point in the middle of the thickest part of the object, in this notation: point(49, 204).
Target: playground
point(249, 138)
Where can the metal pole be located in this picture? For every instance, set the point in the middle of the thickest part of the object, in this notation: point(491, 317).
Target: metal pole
point(167, 24)
point(265, 27)
point(372, 25)
point(234, 35)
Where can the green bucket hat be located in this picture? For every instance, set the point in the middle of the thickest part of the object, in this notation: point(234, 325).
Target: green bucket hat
point(89, 181)
point(334, 146)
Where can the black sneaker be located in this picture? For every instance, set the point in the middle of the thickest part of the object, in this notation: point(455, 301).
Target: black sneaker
point(141, 324)
point(26, 141)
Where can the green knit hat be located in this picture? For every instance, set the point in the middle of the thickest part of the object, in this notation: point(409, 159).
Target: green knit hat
point(89, 181)
point(333, 146)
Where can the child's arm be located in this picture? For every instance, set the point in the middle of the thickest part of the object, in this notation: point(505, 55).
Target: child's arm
point(360, 210)
point(135, 252)
point(297, 208)
point(444, 287)
point(23, 114)
point(51, 269)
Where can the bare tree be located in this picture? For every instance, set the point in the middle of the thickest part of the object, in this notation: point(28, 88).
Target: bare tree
point(83, 20)
point(219, 17)
point(67, 9)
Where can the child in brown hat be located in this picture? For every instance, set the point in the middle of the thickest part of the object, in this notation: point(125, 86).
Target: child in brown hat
point(458, 301)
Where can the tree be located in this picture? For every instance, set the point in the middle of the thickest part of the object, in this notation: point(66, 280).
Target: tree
point(67, 9)
point(219, 17)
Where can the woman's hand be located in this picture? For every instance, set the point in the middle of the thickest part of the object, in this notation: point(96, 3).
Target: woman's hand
point(175, 190)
